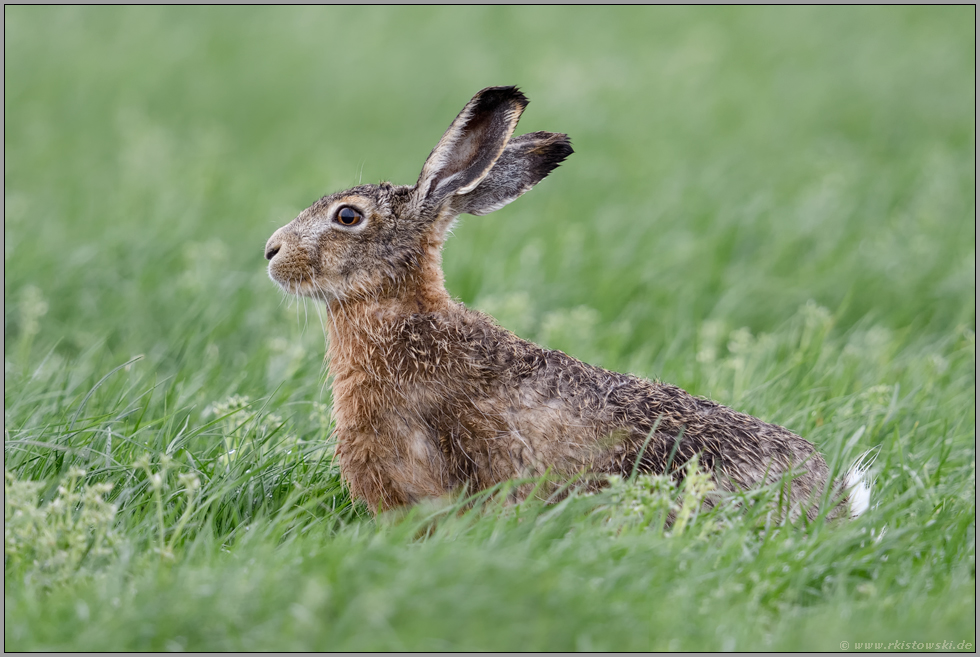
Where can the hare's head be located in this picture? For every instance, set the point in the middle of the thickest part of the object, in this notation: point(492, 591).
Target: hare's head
point(369, 240)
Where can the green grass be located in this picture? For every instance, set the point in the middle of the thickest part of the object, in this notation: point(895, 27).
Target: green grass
point(771, 207)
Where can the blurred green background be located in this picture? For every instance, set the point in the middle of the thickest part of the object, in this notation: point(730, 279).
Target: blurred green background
point(729, 162)
point(770, 206)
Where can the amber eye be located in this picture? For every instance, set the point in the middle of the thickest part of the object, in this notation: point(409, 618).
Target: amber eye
point(348, 217)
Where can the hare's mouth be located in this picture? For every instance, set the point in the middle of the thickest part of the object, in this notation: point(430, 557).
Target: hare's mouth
point(300, 284)
point(305, 287)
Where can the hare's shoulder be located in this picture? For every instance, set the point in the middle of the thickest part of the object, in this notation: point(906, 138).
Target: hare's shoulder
point(462, 343)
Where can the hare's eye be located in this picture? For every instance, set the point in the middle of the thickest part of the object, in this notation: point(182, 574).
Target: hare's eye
point(348, 217)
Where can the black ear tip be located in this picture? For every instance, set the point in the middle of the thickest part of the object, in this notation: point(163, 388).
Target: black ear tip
point(555, 147)
point(500, 95)
point(560, 150)
point(564, 145)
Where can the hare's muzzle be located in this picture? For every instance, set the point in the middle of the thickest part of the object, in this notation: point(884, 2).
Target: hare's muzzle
point(271, 249)
point(290, 264)
point(282, 269)
point(275, 244)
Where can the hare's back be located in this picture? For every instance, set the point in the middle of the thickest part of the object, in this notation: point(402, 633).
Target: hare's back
point(618, 412)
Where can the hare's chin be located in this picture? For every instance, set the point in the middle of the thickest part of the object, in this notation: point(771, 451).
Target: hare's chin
point(303, 288)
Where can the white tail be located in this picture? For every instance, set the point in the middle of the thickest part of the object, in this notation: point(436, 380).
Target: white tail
point(858, 492)
point(857, 485)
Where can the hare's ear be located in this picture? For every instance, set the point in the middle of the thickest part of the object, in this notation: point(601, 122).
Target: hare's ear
point(524, 163)
point(471, 146)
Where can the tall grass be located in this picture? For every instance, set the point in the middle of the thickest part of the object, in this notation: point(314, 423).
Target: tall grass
point(771, 207)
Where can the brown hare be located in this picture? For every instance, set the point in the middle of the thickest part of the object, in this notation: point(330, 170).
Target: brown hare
point(430, 396)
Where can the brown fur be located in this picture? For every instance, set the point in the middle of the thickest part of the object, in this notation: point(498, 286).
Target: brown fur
point(430, 396)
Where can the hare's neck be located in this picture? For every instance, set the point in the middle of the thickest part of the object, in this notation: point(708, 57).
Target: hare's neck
point(361, 329)
point(424, 290)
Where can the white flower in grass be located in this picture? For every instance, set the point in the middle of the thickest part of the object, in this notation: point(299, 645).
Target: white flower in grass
point(68, 536)
point(189, 481)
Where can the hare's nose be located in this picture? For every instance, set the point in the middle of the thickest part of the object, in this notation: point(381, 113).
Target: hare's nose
point(272, 249)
